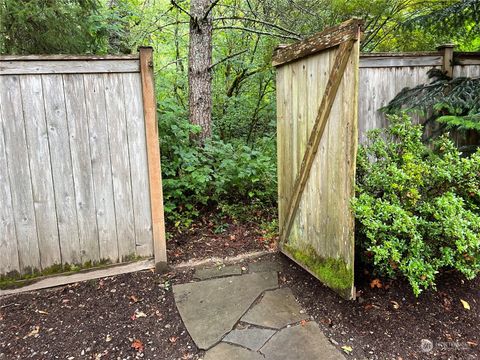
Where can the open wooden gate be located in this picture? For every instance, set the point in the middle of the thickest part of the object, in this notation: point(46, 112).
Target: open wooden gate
point(317, 94)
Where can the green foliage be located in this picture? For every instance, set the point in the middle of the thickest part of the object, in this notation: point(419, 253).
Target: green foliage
point(216, 174)
point(452, 102)
point(63, 26)
point(417, 206)
point(459, 20)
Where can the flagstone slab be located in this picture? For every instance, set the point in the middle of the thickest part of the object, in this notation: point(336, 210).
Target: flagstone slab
point(251, 338)
point(211, 308)
point(224, 351)
point(305, 342)
point(219, 271)
point(276, 310)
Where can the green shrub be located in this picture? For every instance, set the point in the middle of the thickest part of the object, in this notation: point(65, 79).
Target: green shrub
point(417, 205)
point(216, 174)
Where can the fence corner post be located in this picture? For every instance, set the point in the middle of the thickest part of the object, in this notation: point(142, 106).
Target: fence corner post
point(447, 58)
point(153, 158)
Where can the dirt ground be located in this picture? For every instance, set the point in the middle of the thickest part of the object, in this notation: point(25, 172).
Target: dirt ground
point(133, 316)
point(206, 238)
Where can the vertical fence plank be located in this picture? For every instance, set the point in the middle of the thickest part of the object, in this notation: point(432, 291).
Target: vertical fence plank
point(153, 157)
point(58, 136)
point(41, 169)
point(19, 174)
point(122, 189)
point(101, 167)
point(8, 238)
point(138, 162)
point(81, 166)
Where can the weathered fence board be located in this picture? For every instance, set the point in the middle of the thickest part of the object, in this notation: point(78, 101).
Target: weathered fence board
point(68, 67)
point(19, 173)
point(81, 166)
point(382, 76)
point(76, 185)
point(40, 169)
point(317, 132)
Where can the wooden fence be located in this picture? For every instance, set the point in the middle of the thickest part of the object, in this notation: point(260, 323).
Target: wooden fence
point(79, 162)
point(328, 97)
point(383, 75)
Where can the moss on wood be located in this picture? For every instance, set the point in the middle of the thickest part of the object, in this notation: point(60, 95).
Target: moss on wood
point(333, 272)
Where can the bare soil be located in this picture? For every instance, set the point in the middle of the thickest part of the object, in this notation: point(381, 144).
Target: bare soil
point(213, 237)
point(134, 316)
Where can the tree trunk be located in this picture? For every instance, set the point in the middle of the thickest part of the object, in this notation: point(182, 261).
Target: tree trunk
point(199, 61)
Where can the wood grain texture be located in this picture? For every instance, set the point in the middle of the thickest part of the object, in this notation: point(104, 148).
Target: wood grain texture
point(317, 132)
point(8, 238)
point(10, 67)
point(101, 166)
point(41, 169)
point(19, 173)
point(79, 139)
point(138, 163)
point(153, 157)
point(67, 57)
point(122, 185)
point(58, 139)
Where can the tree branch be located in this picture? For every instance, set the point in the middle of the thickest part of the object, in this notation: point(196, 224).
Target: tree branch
point(210, 8)
point(263, 22)
point(227, 58)
point(258, 32)
point(174, 3)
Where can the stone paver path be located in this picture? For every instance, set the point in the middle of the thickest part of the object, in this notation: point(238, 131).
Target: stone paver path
point(245, 316)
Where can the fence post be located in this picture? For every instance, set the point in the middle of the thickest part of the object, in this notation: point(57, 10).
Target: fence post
point(153, 157)
point(447, 58)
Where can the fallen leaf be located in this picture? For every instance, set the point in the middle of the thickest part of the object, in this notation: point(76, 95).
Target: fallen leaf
point(303, 322)
point(42, 312)
point(137, 345)
point(133, 299)
point(173, 339)
point(139, 314)
point(395, 305)
point(465, 304)
point(472, 343)
point(108, 338)
point(347, 349)
point(34, 332)
point(376, 283)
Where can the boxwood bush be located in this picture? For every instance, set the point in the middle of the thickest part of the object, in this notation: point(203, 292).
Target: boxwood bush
point(417, 205)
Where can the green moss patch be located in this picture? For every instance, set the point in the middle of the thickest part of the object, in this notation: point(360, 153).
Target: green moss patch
point(14, 279)
point(333, 272)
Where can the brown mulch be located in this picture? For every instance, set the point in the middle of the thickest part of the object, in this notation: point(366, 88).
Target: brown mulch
point(209, 237)
point(390, 322)
point(134, 316)
point(129, 316)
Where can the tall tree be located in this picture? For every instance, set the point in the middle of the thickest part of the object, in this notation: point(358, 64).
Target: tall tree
point(199, 62)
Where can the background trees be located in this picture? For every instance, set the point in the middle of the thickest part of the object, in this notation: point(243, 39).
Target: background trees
point(232, 97)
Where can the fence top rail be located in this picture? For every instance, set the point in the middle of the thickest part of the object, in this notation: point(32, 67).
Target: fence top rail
point(67, 57)
point(328, 38)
